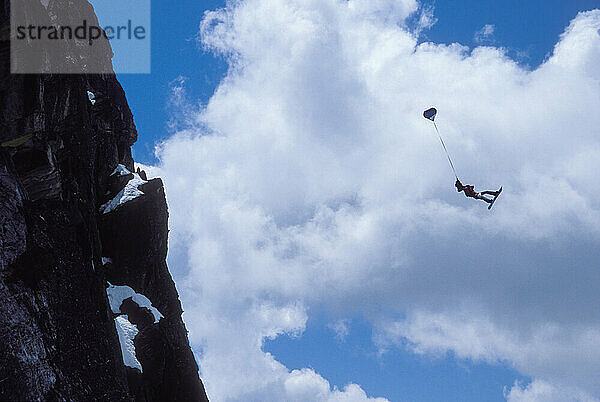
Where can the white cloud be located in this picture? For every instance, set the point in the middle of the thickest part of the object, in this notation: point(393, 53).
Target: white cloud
point(565, 355)
point(395, 11)
point(485, 34)
point(311, 179)
point(426, 19)
point(306, 385)
point(341, 328)
point(540, 391)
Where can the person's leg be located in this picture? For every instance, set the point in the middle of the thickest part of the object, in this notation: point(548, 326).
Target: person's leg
point(482, 198)
point(487, 192)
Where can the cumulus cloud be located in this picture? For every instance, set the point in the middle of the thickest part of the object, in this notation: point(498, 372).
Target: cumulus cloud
point(564, 355)
point(306, 385)
point(311, 179)
point(540, 391)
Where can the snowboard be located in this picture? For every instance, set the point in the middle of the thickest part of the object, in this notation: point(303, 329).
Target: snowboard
point(495, 198)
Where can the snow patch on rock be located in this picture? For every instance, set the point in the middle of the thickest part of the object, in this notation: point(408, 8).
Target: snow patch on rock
point(128, 193)
point(120, 170)
point(116, 295)
point(127, 333)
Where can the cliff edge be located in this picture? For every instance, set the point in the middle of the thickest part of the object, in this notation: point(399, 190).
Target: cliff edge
point(88, 309)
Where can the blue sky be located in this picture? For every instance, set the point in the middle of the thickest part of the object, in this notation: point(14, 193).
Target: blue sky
point(416, 365)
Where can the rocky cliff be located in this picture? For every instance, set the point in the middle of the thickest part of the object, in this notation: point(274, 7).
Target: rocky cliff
point(88, 309)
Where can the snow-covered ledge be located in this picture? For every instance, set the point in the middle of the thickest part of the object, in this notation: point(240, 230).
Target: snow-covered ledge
point(128, 193)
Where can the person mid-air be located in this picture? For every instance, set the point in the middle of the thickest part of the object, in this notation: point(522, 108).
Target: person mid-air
point(470, 192)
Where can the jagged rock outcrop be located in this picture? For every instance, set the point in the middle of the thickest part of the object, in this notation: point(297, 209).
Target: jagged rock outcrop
point(88, 309)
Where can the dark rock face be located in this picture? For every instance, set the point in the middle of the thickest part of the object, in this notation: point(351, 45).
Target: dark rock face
point(59, 250)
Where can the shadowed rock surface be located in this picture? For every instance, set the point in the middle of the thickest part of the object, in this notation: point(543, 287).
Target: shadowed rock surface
point(59, 249)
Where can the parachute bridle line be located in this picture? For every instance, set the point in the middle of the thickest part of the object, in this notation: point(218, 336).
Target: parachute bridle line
point(445, 149)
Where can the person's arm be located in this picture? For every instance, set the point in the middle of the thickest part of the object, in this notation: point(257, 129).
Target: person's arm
point(459, 186)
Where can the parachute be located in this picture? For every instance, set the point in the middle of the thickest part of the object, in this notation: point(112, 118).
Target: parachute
point(430, 114)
